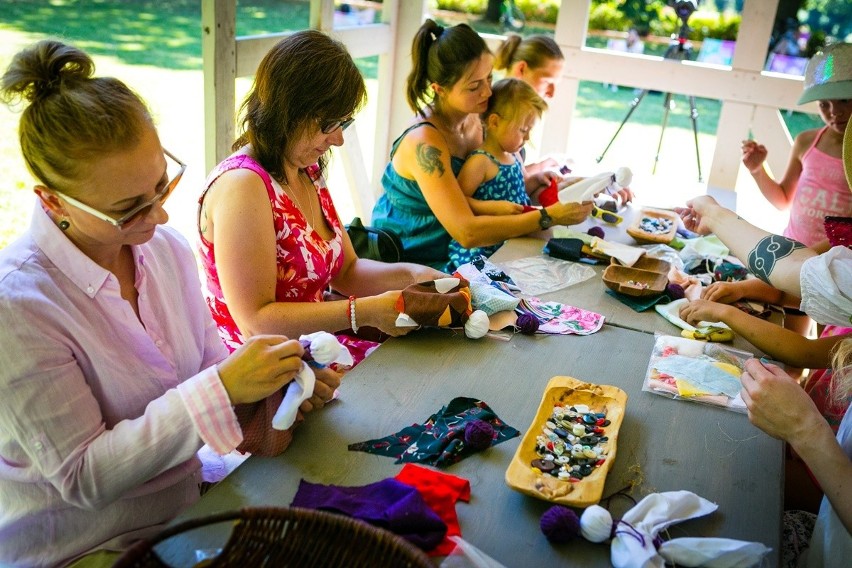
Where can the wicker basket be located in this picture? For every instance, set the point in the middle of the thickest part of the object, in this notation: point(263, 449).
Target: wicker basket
point(280, 537)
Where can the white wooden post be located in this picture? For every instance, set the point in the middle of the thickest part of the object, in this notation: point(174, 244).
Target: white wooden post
point(321, 15)
point(571, 25)
point(735, 119)
point(218, 50)
point(409, 18)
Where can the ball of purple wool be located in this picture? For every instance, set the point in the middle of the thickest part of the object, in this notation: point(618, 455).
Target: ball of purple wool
point(527, 324)
point(478, 434)
point(560, 524)
point(675, 291)
point(596, 232)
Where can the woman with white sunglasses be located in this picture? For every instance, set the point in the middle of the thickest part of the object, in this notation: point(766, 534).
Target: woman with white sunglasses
point(112, 375)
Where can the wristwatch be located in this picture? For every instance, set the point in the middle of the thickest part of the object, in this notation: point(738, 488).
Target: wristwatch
point(546, 220)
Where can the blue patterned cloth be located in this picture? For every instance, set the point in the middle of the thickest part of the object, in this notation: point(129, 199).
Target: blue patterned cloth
point(403, 210)
point(507, 185)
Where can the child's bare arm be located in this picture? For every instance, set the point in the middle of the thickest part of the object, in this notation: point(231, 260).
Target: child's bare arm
point(781, 344)
point(822, 246)
point(778, 193)
point(474, 173)
point(494, 207)
point(750, 289)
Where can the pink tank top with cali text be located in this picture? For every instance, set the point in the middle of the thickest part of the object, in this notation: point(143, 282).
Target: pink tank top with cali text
point(822, 191)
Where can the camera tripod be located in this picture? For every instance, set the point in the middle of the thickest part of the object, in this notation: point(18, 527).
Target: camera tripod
point(680, 48)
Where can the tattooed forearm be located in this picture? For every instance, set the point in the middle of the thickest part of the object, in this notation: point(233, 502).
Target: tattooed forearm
point(771, 249)
point(429, 159)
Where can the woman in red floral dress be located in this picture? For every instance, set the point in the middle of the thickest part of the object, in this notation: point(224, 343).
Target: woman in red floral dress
point(272, 244)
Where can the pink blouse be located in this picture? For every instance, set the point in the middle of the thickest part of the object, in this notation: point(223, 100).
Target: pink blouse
point(101, 414)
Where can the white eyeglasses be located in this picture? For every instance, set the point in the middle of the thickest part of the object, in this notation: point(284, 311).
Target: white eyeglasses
point(140, 211)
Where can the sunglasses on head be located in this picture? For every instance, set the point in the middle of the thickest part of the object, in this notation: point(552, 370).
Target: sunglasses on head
point(140, 211)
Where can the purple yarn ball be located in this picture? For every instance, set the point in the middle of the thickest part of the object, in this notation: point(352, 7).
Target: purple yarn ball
point(478, 434)
point(306, 345)
point(560, 524)
point(596, 232)
point(675, 291)
point(527, 324)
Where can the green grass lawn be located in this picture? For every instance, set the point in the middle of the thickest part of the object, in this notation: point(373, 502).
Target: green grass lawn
point(155, 47)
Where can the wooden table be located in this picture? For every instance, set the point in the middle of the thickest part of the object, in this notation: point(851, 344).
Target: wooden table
point(664, 444)
point(591, 294)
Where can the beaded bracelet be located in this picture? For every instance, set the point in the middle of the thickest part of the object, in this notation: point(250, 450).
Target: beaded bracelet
point(352, 314)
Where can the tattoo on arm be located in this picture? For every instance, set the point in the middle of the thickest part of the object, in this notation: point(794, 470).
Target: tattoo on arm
point(771, 249)
point(429, 159)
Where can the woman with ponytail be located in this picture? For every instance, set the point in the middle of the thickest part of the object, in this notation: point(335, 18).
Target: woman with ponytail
point(536, 60)
point(448, 87)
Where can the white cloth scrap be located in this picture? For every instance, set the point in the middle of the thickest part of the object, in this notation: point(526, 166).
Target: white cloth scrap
point(625, 254)
point(826, 282)
point(633, 545)
point(298, 391)
point(325, 349)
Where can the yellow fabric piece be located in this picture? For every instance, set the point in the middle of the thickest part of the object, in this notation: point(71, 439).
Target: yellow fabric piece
point(446, 318)
point(99, 559)
point(728, 368)
point(685, 388)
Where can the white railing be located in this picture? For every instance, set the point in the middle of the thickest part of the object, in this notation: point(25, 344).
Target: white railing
point(751, 98)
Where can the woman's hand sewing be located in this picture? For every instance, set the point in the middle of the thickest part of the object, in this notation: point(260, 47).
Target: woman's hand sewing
point(262, 365)
point(569, 213)
point(328, 380)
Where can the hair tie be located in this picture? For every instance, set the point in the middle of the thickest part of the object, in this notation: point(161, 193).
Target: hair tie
point(46, 87)
point(437, 32)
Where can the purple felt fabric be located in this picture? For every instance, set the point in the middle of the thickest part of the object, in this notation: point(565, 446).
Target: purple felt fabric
point(389, 504)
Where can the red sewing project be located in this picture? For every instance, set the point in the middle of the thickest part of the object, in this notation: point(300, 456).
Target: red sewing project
point(440, 491)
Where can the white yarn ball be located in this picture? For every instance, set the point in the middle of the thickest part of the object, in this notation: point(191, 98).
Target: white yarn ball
point(596, 524)
point(476, 325)
point(623, 176)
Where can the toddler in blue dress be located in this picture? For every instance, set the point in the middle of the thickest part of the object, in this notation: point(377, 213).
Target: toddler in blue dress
point(492, 177)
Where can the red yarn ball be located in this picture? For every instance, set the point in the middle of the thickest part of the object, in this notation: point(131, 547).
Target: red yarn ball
point(560, 524)
point(527, 324)
point(478, 434)
point(596, 232)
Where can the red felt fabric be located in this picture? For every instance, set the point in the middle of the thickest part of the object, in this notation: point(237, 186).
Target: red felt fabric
point(440, 491)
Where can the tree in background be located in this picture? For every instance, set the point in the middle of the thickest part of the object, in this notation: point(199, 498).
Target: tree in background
point(641, 13)
point(492, 12)
point(833, 17)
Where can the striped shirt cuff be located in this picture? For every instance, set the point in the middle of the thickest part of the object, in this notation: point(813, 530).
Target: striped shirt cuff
point(211, 412)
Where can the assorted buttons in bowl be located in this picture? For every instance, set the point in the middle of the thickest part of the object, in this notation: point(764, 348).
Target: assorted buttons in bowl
point(572, 444)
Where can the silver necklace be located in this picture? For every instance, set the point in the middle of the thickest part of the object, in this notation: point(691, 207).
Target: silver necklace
point(295, 197)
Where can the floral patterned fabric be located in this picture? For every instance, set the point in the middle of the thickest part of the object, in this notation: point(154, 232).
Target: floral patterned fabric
point(441, 440)
point(306, 262)
point(561, 319)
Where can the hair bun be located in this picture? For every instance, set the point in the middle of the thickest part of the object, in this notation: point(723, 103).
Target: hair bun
point(40, 71)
